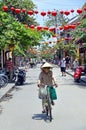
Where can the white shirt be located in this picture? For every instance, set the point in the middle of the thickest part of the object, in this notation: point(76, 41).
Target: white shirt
point(63, 63)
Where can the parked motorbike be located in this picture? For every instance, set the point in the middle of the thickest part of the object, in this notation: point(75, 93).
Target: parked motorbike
point(80, 71)
point(20, 77)
point(77, 74)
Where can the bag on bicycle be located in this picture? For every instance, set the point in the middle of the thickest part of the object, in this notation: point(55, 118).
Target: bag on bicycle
point(53, 94)
point(42, 92)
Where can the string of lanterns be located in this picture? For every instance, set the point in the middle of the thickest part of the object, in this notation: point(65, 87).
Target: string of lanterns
point(43, 13)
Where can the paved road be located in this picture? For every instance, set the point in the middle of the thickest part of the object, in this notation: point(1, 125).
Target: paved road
point(22, 111)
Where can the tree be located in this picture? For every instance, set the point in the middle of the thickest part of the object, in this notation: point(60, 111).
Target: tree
point(13, 32)
point(21, 4)
point(79, 35)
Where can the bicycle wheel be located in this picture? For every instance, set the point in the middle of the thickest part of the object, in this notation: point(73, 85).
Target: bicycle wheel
point(49, 109)
point(5, 78)
point(3, 81)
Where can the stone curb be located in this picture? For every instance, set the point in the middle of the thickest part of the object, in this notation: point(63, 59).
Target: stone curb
point(7, 91)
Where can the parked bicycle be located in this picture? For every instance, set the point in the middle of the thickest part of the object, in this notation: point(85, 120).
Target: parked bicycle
point(3, 80)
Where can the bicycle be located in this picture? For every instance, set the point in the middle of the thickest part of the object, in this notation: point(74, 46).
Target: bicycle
point(46, 97)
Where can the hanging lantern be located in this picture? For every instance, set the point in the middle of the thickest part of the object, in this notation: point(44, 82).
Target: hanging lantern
point(36, 12)
point(17, 11)
point(30, 12)
point(39, 28)
point(79, 11)
point(67, 13)
point(12, 9)
point(61, 12)
point(43, 13)
point(60, 27)
point(5, 8)
point(45, 28)
point(72, 10)
point(73, 26)
point(85, 8)
point(78, 23)
point(32, 26)
point(66, 27)
point(54, 13)
point(49, 12)
point(24, 10)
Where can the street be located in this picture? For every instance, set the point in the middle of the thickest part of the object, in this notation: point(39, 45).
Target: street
point(23, 110)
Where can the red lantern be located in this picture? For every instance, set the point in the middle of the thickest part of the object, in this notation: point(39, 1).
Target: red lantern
point(73, 26)
point(67, 13)
point(78, 23)
point(43, 13)
point(79, 11)
point(60, 27)
point(32, 26)
point(45, 28)
point(39, 28)
point(30, 12)
point(23, 10)
point(68, 38)
point(12, 9)
point(61, 12)
point(72, 10)
point(5, 8)
point(36, 12)
point(66, 27)
point(54, 13)
point(85, 8)
point(17, 11)
point(49, 12)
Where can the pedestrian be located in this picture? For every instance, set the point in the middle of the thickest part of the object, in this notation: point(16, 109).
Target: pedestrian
point(67, 58)
point(63, 67)
point(10, 68)
point(75, 64)
point(46, 77)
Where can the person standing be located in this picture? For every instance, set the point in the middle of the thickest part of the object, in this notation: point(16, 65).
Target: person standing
point(75, 64)
point(63, 67)
point(10, 68)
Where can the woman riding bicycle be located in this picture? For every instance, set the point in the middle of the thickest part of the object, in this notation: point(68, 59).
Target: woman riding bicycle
point(46, 77)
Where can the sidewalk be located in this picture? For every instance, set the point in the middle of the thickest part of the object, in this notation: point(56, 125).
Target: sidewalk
point(5, 90)
point(70, 72)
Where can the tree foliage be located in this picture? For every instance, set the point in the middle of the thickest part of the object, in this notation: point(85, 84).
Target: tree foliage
point(13, 32)
point(79, 34)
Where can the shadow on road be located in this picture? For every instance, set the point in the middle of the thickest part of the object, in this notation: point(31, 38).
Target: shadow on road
point(1, 109)
point(41, 117)
point(81, 84)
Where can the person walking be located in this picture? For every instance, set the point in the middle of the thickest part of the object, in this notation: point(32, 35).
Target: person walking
point(63, 67)
point(67, 58)
point(46, 77)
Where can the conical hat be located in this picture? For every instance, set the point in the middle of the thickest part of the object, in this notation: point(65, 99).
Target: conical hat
point(47, 65)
